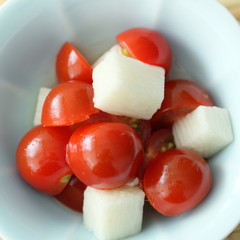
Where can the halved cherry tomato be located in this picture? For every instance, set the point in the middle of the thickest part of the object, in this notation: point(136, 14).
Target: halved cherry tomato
point(147, 46)
point(159, 142)
point(94, 118)
point(180, 97)
point(41, 156)
point(71, 65)
point(68, 103)
point(105, 155)
point(176, 181)
point(72, 194)
point(142, 127)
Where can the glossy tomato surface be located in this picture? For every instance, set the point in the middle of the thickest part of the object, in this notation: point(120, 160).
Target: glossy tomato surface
point(105, 155)
point(41, 158)
point(68, 103)
point(181, 97)
point(176, 181)
point(147, 46)
point(71, 65)
point(72, 194)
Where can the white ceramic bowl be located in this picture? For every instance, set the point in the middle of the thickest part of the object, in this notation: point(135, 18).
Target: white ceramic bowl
point(205, 39)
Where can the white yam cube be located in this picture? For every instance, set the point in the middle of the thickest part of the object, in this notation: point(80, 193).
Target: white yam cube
point(113, 214)
point(134, 182)
point(126, 86)
point(114, 48)
point(43, 92)
point(205, 130)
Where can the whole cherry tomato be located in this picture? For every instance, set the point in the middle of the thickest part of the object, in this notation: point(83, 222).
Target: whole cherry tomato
point(68, 103)
point(71, 65)
point(176, 181)
point(146, 45)
point(180, 97)
point(72, 194)
point(105, 155)
point(41, 158)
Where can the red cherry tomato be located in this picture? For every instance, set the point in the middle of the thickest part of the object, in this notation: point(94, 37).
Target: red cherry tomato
point(142, 127)
point(176, 181)
point(105, 155)
point(41, 156)
point(147, 46)
point(68, 103)
point(94, 118)
point(71, 65)
point(72, 194)
point(159, 142)
point(180, 97)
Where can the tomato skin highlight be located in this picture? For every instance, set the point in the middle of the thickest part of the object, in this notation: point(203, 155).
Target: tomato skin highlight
point(68, 103)
point(176, 181)
point(72, 194)
point(71, 65)
point(105, 155)
point(41, 156)
point(180, 97)
point(147, 46)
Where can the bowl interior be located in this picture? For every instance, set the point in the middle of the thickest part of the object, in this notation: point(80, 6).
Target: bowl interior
point(204, 38)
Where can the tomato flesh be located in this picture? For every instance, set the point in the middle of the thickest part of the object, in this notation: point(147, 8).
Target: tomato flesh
point(71, 65)
point(68, 103)
point(72, 194)
point(105, 155)
point(147, 46)
point(142, 127)
point(180, 97)
point(159, 142)
point(176, 181)
point(41, 158)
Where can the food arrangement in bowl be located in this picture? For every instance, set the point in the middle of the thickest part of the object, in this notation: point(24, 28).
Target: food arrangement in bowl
point(105, 128)
point(118, 133)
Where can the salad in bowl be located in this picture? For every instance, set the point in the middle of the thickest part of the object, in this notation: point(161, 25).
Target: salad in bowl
point(132, 126)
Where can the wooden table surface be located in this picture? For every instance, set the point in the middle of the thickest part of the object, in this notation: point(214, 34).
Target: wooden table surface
point(234, 7)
